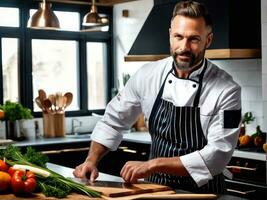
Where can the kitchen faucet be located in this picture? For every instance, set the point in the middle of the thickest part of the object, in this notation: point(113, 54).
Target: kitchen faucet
point(75, 123)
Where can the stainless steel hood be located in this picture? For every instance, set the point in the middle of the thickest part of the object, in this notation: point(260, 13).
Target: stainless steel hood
point(237, 31)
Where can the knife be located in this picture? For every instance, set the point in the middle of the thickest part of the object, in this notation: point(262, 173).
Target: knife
point(101, 183)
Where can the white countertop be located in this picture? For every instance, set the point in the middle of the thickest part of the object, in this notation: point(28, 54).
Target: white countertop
point(68, 172)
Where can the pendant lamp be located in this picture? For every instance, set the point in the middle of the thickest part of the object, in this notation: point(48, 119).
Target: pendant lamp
point(93, 19)
point(44, 18)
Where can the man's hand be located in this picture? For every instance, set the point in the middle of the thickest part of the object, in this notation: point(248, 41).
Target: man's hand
point(86, 170)
point(134, 170)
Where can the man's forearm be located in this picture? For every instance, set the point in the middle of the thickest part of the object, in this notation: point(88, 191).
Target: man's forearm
point(96, 153)
point(172, 166)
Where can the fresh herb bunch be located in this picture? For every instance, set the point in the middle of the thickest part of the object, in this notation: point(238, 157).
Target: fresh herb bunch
point(54, 188)
point(15, 111)
point(50, 182)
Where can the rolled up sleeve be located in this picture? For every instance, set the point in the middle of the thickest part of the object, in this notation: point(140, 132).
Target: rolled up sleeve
point(111, 140)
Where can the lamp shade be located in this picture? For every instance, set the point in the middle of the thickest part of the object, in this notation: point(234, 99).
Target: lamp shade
point(44, 18)
point(93, 19)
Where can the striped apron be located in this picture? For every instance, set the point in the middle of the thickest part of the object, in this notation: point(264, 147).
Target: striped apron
point(176, 131)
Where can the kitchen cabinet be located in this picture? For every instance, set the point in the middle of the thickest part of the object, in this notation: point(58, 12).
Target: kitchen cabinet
point(249, 178)
point(114, 161)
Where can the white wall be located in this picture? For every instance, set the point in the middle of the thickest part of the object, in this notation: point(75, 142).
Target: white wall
point(247, 73)
point(125, 32)
point(251, 74)
point(264, 60)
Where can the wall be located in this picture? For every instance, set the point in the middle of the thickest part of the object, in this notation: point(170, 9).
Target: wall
point(125, 32)
point(264, 60)
point(247, 72)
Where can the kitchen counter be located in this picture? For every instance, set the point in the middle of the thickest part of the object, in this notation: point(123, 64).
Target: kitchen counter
point(67, 172)
point(137, 137)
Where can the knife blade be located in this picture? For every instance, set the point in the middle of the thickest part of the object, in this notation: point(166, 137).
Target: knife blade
point(101, 183)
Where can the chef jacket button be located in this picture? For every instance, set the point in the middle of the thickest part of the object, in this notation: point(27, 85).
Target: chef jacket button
point(170, 81)
point(194, 85)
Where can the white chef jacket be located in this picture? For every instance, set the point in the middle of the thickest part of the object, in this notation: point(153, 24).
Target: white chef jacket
point(219, 93)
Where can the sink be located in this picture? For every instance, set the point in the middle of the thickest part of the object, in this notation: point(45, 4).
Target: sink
point(79, 135)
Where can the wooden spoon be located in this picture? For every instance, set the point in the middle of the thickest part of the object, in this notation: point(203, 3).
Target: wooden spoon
point(59, 101)
point(69, 97)
point(42, 95)
point(47, 105)
point(52, 98)
point(39, 104)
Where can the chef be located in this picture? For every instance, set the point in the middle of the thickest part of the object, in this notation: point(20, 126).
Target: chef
point(193, 110)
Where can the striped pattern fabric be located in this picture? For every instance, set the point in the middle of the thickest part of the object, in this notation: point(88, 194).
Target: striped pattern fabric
point(177, 131)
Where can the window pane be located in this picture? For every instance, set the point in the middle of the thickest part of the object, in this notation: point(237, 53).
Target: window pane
point(97, 75)
point(55, 68)
point(10, 68)
point(9, 17)
point(69, 21)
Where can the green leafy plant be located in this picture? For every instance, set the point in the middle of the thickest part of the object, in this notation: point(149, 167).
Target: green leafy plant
point(15, 111)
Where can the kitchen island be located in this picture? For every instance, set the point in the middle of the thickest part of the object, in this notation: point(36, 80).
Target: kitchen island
point(71, 150)
point(67, 172)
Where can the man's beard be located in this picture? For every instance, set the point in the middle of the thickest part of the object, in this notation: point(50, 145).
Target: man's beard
point(187, 66)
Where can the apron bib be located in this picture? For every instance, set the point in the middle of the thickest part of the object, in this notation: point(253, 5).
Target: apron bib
point(176, 131)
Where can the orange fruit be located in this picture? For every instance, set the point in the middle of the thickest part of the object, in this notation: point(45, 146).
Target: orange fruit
point(264, 146)
point(5, 180)
point(3, 166)
point(2, 114)
point(245, 140)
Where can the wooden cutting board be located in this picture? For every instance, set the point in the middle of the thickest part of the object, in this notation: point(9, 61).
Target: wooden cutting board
point(73, 196)
point(138, 188)
point(164, 195)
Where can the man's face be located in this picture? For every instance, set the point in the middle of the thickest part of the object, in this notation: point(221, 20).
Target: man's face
point(188, 40)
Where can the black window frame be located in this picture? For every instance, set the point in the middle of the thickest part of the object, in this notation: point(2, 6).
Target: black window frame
point(25, 35)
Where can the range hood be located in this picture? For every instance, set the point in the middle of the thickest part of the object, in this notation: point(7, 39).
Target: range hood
point(237, 31)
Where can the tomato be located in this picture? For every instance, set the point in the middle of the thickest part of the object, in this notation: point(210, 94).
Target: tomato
point(5, 180)
point(3, 166)
point(11, 171)
point(23, 182)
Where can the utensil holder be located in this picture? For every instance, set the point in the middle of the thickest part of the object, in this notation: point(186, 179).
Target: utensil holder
point(54, 125)
point(59, 124)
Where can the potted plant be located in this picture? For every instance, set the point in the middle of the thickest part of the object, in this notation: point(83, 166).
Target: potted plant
point(13, 112)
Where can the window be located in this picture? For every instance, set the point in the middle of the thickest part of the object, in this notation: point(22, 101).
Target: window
point(55, 68)
point(97, 75)
point(9, 17)
point(68, 60)
point(10, 69)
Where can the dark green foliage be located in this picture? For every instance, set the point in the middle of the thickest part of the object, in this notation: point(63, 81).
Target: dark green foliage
point(15, 111)
point(36, 158)
point(51, 187)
